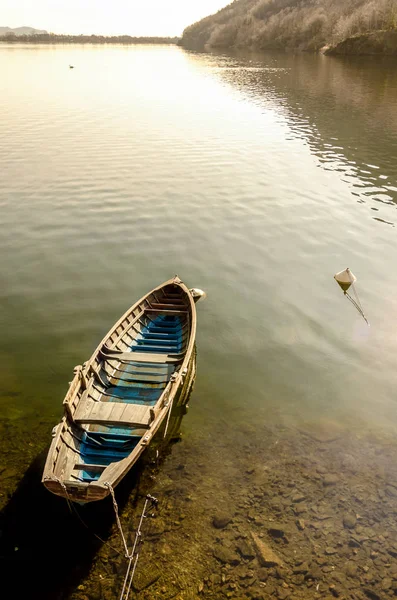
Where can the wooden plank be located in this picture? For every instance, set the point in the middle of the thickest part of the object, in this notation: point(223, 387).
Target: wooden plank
point(115, 365)
point(117, 411)
point(101, 410)
point(65, 460)
point(96, 394)
point(134, 415)
point(161, 311)
point(130, 323)
point(166, 306)
point(158, 379)
point(74, 389)
point(84, 467)
point(144, 357)
point(137, 414)
point(176, 301)
point(175, 295)
point(117, 469)
point(82, 410)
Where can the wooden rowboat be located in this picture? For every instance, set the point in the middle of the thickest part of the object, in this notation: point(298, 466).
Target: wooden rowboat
point(121, 396)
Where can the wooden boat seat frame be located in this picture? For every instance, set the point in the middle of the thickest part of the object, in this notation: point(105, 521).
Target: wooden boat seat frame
point(114, 413)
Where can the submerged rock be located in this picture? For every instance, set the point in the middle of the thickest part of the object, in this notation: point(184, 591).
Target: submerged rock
point(157, 527)
point(299, 509)
point(372, 594)
point(266, 556)
point(351, 569)
point(330, 479)
point(226, 556)
point(386, 583)
point(303, 568)
point(298, 497)
point(221, 521)
point(276, 531)
point(145, 577)
point(245, 550)
point(349, 521)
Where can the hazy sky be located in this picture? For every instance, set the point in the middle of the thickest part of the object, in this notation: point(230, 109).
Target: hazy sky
point(108, 17)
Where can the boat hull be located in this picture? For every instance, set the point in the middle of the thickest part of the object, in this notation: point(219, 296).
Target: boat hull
point(128, 393)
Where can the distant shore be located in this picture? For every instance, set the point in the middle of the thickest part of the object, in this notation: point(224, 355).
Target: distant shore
point(51, 38)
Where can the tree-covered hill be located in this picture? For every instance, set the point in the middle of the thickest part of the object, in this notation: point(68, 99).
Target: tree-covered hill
point(290, 24)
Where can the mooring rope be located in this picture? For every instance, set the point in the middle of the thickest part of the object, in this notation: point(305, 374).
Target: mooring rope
point(356, 303)
point(74, 510)
point(131, 556)
point(116, 512)
point(138, 538)
point(134, 554)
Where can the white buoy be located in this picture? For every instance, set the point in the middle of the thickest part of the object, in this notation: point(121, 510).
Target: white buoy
point(345, 279)
point(197, 294)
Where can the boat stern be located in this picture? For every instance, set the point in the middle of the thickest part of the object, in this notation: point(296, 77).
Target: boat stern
point(76, 491)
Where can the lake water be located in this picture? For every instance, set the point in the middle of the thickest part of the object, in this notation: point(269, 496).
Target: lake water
point(255, 178)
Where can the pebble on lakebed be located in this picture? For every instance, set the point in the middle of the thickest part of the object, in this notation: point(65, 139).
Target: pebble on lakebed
point(221, 521)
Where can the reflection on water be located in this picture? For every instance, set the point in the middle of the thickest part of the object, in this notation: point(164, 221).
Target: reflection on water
point(344, 109)
point(256, 179)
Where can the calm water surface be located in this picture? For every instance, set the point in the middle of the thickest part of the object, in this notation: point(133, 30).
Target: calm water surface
point(254, 178)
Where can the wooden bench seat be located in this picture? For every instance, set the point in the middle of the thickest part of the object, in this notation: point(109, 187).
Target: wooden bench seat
point(142, 357)
point(114, 413)
point(166, 311)
point(168, 306)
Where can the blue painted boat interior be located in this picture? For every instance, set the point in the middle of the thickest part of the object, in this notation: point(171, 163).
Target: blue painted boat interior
point(102, 445)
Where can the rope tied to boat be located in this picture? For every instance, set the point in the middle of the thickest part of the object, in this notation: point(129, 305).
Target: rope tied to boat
point(116, 512)
point(65, 489)
point(131, 556)
point(134, 554)
point(73, 509)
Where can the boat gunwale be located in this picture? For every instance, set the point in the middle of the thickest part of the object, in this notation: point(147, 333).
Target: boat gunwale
point(118, 469)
